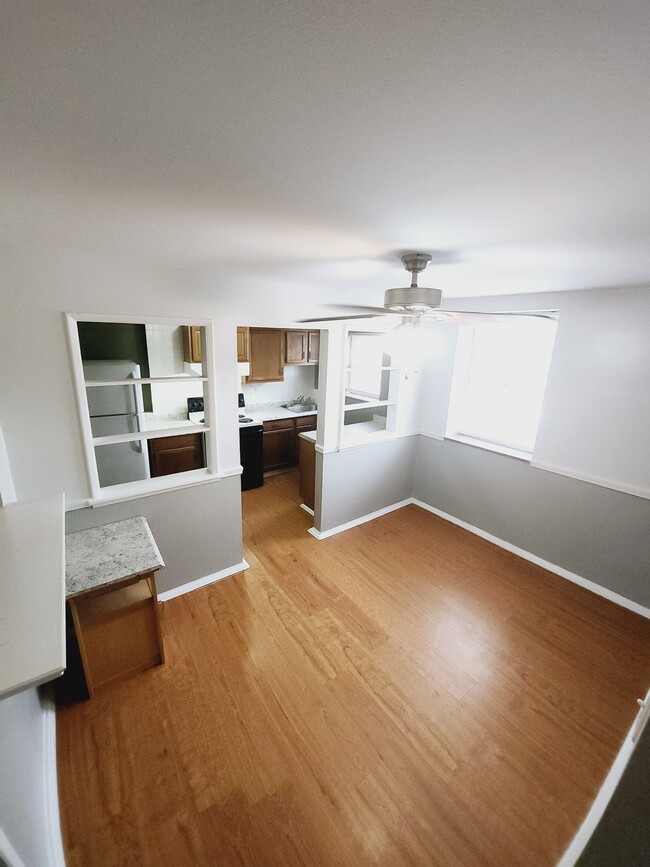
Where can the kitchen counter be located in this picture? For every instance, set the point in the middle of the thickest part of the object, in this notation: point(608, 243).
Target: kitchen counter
point(105, 555)
point(273, 412)
point(309, 435)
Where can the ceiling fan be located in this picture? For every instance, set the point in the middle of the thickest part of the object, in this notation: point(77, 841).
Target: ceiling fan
point(415, 303)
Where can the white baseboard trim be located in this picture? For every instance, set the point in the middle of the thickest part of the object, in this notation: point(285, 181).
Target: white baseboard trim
point(545, 564)
point(325, 534)
point(307, 509)
point(50, 787)
point(202, 582)
point(8, 854)
point(525, 555)
point(595, 814)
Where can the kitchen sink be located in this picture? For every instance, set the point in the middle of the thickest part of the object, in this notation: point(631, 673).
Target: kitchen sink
point(302, 407)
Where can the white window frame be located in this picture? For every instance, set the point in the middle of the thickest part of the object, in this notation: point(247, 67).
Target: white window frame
point(458, 387)
point(144, 487)
point(346, 435)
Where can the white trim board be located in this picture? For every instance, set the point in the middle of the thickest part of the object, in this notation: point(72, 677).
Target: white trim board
point(55, 843)
point(7, 852)
point(325, 534)
point(601, 802)
point(203, 582)
point(623, 601)
point(520, 552)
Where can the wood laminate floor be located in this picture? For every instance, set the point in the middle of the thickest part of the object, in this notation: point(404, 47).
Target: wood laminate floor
point(404, 693)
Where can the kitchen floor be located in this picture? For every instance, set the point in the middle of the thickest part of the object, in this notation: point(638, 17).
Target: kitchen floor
point(402, 693)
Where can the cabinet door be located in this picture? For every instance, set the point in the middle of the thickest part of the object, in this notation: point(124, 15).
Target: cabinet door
point(305, 423)
point(279, 444)
point(243, 344)
point(192, 344)
point(267, 355)
point(307, 473)
point(169, 455)
point(295, 347)
point(313, 346)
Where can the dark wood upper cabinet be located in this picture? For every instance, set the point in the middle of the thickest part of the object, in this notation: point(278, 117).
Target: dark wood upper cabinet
point(301, 347)
point(243, 344)
point(313, 347)
point(192, 344)
point(295, 347)
point(266, 355)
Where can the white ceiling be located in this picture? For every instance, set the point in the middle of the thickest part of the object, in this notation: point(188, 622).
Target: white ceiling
point(316, 139)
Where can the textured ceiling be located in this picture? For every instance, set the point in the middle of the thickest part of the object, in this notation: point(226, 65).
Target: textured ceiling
point(308, 142)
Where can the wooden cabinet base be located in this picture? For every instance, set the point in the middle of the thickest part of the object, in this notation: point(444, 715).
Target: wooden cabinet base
point(118, 632)
point(308, 473)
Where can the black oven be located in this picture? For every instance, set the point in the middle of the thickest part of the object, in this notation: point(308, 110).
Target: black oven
point(251, 452)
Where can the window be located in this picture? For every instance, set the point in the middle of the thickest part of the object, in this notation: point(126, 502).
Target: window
point(370, 396)
point(499, 381)
point(135, 382)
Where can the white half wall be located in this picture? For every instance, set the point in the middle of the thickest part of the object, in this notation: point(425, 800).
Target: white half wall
point(29, 814)
point(596, 533)
point(197, 529)
point(358, 481)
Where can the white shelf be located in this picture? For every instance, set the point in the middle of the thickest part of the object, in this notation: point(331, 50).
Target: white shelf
point(370, 367)
point(32, 594)
point(367, 404)
point(148, 380)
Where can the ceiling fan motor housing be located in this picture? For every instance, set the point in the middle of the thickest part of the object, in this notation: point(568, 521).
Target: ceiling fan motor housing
point(416, 299)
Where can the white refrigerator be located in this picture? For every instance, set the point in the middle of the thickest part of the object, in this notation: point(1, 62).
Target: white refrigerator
point(117, 409)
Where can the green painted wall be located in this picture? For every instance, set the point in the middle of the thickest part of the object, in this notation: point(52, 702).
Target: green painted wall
point(101, 341)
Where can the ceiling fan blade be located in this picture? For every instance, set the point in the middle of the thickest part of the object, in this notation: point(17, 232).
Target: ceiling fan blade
point(478, 317)
point(343, 318)
point(356, 312)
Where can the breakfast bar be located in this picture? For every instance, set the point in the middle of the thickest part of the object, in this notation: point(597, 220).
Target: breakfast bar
point(111, 591)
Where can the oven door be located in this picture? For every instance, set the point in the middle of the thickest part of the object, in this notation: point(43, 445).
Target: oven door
point(251, 455)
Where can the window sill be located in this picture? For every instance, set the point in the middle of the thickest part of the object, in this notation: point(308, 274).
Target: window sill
point(151, 487)
point(491, 447)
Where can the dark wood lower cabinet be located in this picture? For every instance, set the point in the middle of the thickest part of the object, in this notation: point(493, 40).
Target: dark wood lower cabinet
point(169, 455)
point(281, 442)
point(307, 472)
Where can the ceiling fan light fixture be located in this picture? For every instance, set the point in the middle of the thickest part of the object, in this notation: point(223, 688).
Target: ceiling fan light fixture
point(417, 299)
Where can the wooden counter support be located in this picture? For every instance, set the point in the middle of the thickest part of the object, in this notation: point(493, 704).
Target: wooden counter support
point(118, 631)
point(307, 472)
point(111, 591)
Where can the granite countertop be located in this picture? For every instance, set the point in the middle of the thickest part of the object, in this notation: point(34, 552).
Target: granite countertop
point(309, 435)
point(108, 554)
point(274, 412)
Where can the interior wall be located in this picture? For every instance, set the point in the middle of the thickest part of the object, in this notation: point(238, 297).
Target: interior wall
point(596, 410)
point(197, 529)
point(358, 481)
point(594, 532)
point(298, 381)
point(28, 820)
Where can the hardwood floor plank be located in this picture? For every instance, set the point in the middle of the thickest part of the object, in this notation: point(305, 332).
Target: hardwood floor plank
point(404, 693)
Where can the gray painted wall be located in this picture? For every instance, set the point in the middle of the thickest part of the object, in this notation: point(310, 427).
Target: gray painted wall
point(358, 481)
point(197, 529)
point(24, 818)
point(599, 534)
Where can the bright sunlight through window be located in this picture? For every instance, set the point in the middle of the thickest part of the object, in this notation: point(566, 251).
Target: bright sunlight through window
point(499, 381)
